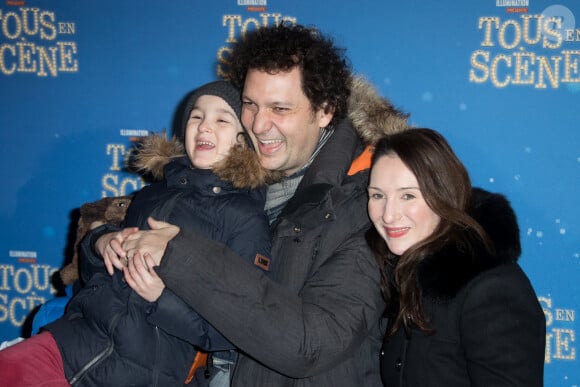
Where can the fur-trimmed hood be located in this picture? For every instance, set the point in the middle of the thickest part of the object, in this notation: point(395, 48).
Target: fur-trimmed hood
point(442, 275)
point(372, 115)
point(241, 167)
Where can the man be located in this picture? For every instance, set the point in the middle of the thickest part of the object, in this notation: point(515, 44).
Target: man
point(314, 321)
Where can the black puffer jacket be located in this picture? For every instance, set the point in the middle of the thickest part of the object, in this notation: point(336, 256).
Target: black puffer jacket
point(315, 322)
point(109, 335)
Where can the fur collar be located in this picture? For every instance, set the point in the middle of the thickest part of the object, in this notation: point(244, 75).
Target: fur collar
point(241, 167)
point(372, 115)
point(442, 275)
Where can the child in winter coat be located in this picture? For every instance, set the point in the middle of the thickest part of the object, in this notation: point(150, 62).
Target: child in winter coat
point(128, 329)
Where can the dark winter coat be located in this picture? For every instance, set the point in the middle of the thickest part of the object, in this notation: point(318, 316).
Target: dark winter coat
point(489, 327)
point(316, 321)
point(109, 335)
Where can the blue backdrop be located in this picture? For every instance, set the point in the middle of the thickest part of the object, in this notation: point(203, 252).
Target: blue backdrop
point(80, 79)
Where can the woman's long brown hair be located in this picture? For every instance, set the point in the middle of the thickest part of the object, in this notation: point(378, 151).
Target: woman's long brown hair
point(446, 188)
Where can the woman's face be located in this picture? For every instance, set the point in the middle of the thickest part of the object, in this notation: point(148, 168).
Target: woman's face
point(396, 205)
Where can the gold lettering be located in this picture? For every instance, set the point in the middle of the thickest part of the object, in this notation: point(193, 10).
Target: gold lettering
point(116, 150)
point(517, 34)
point(113, 187)
point(486, 22)
point(7, 70)
point(494, 75)
point(546, 306)
point(571, 64)
point(27, 278)
point(548, 351)
point(5, 271)
point(109, 184)
point(128, 182)
point(17, 25)
point(563, 350)
point(223, 62)
point(565, 315)
point(67, 63)
point(50, 61)
point(25, 20)
point(247, 23)
point(47, 21)
point(66, 28)
point(554, 33)
point(26, 64)
point(21, 56)
point(476, 65)
point(3, 308)
point(544, 68)
point(521, 67)
point(231, 21)
point(12, 311)
point(526, 34)
point(41, 276)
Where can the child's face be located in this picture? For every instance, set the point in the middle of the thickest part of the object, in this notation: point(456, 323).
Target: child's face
point(212, 129)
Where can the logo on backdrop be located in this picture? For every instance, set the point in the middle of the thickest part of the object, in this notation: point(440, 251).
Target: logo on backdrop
point(20, 286)
point(236, 27)
point(513, 6)
point(253, 5)
point(116, 181)
point(535, 50)
point(34, 42)
point(24, 283)
point(560, 332)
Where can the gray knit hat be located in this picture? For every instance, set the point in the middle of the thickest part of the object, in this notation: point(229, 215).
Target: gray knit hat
point(223, 89)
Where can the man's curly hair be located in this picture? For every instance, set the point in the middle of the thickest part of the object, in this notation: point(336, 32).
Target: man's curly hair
point(325, 69)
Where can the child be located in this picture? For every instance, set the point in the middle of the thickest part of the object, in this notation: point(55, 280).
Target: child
point(112, 334)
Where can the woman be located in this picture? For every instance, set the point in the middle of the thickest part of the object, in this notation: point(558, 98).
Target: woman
point(461, 311)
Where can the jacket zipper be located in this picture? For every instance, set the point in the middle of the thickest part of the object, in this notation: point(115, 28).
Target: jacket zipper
point(97, 359)
point(155, 376)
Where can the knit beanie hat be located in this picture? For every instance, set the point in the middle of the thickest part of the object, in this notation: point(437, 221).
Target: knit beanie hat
point(223, 89)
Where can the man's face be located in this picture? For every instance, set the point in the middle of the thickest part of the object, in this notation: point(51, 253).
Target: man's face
point(280, 119)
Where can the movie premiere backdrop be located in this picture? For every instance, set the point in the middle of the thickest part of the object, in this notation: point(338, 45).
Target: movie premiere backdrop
point(81, 80)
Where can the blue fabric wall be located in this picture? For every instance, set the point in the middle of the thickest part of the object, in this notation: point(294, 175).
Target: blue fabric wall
point(79, 79)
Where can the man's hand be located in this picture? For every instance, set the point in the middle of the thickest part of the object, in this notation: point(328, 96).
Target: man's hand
point(154, 241)
point(109, 246)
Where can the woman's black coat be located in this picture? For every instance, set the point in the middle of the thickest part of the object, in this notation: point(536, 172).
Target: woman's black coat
point(489, 327)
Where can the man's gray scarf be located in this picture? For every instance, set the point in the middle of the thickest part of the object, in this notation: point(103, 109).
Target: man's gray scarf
point(279, 193)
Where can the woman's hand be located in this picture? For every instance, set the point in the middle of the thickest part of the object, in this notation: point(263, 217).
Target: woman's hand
point(109, 247)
